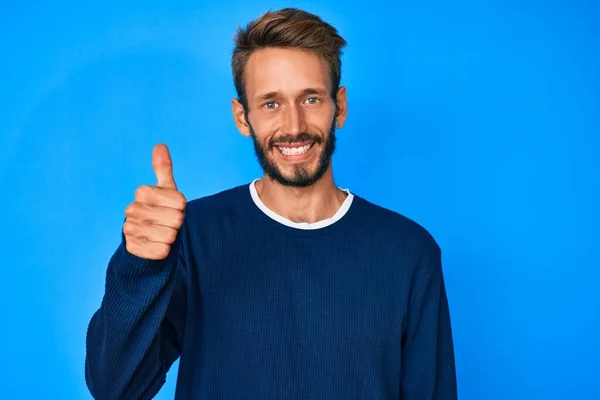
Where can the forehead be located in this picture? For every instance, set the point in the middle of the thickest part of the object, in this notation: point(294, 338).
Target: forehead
point(287, 71)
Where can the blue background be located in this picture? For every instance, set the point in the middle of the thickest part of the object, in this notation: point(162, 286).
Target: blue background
point(480, 120)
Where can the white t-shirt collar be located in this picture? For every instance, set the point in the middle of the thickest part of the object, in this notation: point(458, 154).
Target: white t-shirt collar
point(301, 225)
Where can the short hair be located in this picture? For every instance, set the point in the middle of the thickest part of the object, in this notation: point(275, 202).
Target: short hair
point(287, 28)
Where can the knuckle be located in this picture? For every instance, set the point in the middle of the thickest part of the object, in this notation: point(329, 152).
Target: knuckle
point(131, 248)
point(166, 235)
point(181, 201)
point(161, 251)
point(130, 209)
point(141, 192)
point(172, 235)
point(128, 228)
point(179, 217)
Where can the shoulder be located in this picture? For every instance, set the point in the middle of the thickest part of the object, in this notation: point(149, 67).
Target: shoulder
point(396, 228)
point(413, 247)
point(216, 205)
point(217, 199)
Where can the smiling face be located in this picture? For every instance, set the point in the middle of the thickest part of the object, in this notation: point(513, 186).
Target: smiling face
point(291, 114)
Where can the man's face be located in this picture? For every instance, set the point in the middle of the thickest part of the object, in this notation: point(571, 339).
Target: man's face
point(291, 114)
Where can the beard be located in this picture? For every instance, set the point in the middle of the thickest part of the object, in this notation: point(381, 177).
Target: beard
point(301, 176)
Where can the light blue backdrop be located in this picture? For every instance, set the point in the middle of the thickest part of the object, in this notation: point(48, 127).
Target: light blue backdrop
point(479, 120)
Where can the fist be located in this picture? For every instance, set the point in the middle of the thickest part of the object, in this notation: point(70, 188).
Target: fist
point(156, 215)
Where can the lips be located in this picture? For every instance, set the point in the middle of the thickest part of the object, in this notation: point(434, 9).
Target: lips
point(295, 148)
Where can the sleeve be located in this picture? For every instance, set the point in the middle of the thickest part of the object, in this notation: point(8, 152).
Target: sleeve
point(136, 334)
point(428, 364)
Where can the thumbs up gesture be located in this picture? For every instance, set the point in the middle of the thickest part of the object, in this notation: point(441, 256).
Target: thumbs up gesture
point(157, 213)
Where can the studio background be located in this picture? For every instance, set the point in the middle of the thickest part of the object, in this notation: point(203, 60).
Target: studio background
point(479, 120)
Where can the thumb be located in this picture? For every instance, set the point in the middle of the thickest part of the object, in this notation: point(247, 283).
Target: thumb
point(163, 167)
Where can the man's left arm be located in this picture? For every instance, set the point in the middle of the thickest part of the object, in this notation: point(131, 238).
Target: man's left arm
point(428, 365)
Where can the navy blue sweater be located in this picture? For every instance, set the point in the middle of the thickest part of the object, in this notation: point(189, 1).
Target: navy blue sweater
point(255, 309)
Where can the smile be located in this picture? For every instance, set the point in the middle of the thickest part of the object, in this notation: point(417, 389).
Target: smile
point(294, 151)
point(298, 152)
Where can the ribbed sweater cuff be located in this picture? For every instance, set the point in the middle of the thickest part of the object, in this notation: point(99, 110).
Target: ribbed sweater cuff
point(138, 265)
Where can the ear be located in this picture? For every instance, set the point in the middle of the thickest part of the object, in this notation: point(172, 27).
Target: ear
point(342, 107)
point(239, 117)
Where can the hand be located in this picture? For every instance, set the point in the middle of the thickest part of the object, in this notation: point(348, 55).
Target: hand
point(157, 213)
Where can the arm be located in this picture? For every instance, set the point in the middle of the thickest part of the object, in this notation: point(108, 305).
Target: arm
point(136, 334)
point(428, 365)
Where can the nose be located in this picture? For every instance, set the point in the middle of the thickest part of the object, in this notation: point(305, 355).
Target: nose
point(293, 120)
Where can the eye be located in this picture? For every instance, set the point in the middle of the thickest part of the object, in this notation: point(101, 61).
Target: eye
point(270, 105)
point(312, 100)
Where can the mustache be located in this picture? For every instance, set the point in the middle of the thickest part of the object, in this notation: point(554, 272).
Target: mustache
point(292, 139)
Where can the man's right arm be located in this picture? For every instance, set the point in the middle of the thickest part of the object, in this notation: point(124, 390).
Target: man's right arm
point(137, 332)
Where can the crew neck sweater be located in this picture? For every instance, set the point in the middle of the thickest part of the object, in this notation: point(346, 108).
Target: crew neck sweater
point(354, 307)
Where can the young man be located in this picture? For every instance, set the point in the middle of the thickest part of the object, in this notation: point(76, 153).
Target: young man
point(286, 288)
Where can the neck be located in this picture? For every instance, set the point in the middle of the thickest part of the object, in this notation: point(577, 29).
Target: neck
point(310, 204)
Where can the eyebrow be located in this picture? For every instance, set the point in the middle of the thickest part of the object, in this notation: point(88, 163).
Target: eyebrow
point(311, 90)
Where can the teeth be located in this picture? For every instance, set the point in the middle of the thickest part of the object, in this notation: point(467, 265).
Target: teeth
point(293, 151)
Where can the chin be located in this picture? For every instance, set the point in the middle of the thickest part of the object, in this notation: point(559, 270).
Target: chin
point(298, 170)
point(299, 176)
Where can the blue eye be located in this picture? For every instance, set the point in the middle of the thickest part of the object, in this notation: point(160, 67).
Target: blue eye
point(312, 100)
point(270, 105)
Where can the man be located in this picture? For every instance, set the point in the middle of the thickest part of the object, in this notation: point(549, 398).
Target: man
point(286, 288)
